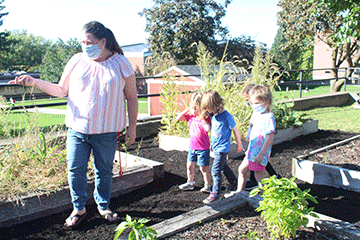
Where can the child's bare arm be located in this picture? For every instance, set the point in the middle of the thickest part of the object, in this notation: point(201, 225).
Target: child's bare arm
point(238, 139)
point(206, 125)
point(267, 143)
point(181, 116)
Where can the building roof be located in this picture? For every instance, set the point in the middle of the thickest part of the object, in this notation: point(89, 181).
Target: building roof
point(136, 50)
point(235, 74)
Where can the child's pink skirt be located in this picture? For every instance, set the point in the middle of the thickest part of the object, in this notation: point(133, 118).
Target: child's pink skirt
point(256, 167)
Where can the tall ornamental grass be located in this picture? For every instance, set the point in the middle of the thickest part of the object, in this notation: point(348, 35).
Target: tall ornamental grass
point(31, 162)
point(223, 77)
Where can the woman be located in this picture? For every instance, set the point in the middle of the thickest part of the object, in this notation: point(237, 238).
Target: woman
point(99, 83)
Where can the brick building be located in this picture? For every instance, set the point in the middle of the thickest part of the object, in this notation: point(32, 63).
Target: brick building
point(137, 54)
point(322, 59)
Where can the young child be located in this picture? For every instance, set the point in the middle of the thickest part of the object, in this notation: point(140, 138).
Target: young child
point(260, 136)
point(222, 125)
point(199, 150)
point(251, 182)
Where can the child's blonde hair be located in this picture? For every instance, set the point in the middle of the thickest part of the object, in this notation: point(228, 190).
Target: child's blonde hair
point(263, 94)
point(246, 90)
point(196, 100)
point(212, 100)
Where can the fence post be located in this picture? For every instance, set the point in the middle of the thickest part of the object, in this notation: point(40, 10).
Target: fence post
point(300, 84)
point(345, 80)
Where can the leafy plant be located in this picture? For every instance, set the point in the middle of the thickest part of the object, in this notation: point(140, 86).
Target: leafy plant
point(170, 102)
point(138, 229)
point(252, 235)
point(284, 206)
point(286, 117)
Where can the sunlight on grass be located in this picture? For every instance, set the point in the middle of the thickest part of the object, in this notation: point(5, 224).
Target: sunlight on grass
point(345, 118)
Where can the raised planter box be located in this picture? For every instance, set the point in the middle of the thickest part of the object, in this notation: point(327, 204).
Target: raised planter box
point(169, 143)
point(138, 172)
point(322, 174)
point(328, 175)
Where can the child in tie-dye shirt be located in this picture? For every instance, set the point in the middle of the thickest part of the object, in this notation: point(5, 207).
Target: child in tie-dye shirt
point(260, 136)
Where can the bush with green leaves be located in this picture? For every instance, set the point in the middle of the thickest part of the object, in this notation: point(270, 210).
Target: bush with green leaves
point(284, 206)
point(286, 117)
point(138, 229)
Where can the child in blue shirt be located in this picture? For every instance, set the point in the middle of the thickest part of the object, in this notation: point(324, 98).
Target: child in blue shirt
point(222, 125)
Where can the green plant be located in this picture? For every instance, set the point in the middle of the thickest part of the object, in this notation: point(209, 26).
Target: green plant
point(138, 229)
point(223, 221)
point(284, 206)
point(286, 117)
point(252, 235)
point(169, 100)
point(326, 157)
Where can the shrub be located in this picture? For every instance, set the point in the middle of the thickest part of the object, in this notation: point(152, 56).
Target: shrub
point(284, 206)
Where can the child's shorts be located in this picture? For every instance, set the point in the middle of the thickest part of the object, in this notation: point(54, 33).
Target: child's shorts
point(256, 167)
point(202, 157)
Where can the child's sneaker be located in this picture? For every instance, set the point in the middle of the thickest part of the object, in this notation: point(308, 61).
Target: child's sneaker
point(211, 198)
point(206, 189)
point(230, 194)
point(250, 185)
point(231, 186)
point(187, 186)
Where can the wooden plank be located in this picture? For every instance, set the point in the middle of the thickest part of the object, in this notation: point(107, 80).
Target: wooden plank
point(205, 213)
point(322, 174)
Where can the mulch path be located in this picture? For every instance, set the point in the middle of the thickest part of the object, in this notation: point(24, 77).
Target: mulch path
point(162, 199)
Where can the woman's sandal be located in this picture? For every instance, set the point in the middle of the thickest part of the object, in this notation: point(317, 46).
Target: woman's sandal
point(109, 215)
point(78, 217)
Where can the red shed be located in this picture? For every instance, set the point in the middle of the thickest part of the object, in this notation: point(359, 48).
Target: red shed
point(190, 83)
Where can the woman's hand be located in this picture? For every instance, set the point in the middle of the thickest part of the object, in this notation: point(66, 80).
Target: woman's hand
point(23, 80)
point(130, 136)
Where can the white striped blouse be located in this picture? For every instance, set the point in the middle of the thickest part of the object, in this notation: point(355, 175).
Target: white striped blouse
point(96, 98)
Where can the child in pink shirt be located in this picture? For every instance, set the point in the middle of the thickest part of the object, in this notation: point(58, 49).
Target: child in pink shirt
point(199, 150)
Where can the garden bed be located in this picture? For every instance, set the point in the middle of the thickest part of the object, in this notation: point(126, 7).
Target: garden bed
point(162, 199)
point(138, 172)
point(168, 142)
point(336, 165)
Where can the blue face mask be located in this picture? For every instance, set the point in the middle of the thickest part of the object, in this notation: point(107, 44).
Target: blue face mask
point(92, 51)
point(259, 108)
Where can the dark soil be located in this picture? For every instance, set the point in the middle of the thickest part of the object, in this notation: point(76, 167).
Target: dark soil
point(162, 199)
point(344, 156)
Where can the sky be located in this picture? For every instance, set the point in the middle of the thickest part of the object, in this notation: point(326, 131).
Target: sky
point(53, 19)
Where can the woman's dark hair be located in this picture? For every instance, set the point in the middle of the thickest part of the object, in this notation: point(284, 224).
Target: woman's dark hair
point(99, 31)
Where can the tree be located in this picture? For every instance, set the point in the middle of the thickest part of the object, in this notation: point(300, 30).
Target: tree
point(4, 42)
point(240, 48)
point(56, 57)
point(303, 19)
point(25, 51)
point(293, 57)
point(2, 14)
point(177, 26)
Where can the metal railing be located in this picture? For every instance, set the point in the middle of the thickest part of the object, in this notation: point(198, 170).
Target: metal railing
point(299, 82)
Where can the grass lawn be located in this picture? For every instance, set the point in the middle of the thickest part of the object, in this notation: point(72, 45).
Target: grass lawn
point(345, 118)
point(293, 91)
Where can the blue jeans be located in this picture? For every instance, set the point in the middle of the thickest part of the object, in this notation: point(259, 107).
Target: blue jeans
point(201, 157)
point(219, 166)
point(79, 147)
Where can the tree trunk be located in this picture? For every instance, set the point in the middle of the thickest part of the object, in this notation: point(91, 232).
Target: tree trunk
point(335, 85)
